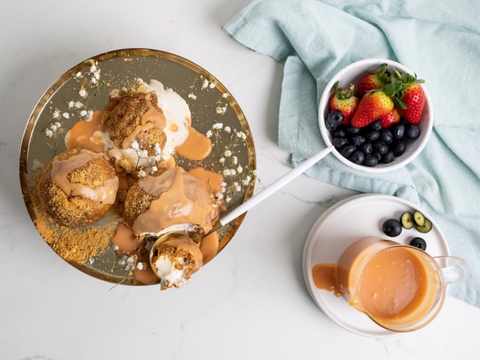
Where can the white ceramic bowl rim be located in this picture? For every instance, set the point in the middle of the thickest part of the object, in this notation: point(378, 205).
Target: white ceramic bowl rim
point(363, 65)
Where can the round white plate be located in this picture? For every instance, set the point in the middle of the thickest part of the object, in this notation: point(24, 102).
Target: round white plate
point(341, 225)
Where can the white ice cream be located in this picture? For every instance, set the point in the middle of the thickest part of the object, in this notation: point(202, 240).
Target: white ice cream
point(178, 115)
point(177, 112)
point(168, 275)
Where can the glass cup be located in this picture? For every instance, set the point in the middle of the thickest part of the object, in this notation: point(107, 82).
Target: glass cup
point(400, 287)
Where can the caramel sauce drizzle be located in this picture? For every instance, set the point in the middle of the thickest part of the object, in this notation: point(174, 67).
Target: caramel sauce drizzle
point(182, 199)
point(196, 147)
point(82, 134)
point(60, 170)
point(151, 119)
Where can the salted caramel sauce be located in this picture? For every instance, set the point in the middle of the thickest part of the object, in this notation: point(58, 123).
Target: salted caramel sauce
point(145, 276)
point(209, 247)
point(392, 284)
point(91, 135)
point(324, 278)
point(61, 169)
point(395, 287)
point(211, 180)
point(83, 134)
point(170, 163)
point(212, 183)
point(215, 214)
point(196, 147)
point(123, 185)
point(125, 239)
point(338, 277)
point(139, 134)
point(181, 199)
point(151, 119)
point(355, 257)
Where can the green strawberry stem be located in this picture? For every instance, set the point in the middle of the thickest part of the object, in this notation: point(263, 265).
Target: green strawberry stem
point(396, 85)
point(399, 84)
point(399, 103)
point(383, 74)
point(343, 94)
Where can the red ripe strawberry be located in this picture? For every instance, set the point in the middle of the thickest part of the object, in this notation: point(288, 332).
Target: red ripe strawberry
point(374, 80)
point(414, 100)
point(390, 118)
point(408, 96)
point(345, 101)
point(372, 107)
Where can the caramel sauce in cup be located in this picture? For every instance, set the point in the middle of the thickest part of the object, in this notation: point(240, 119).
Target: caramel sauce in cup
point(399, 287)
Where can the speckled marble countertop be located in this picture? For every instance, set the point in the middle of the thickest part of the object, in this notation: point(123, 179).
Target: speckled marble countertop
point(250, 302)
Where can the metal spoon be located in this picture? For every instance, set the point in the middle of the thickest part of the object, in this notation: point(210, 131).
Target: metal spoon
point(255, 200)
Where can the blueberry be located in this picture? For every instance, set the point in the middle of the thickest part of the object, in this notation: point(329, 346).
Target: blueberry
point(386, 136)
point(376, 125)
point(392, 227)
point(412, 131)
point(339, 133)
point(388, 157)
point(419, 243)
point(357, 157)
point(380, 146)
point(358, 140)
point(350, 130)
point(348, 150)
point(333, 119)
point(372, 136)
point(366, 148)
point(370, 161)
point(339, 142)
point(398, 131)
point(377, 155)
point(399, 147)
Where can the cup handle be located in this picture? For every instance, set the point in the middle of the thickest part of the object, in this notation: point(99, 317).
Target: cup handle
point(453, 268)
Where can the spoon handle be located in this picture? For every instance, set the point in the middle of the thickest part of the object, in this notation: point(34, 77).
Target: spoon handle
point(277, 185)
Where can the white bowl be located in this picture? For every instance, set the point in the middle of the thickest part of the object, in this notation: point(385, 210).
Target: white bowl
point(352, 74)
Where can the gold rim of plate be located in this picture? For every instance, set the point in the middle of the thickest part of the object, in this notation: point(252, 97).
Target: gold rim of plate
point(233, 227)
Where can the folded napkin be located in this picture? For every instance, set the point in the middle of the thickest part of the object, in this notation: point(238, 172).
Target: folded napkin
point(440, 41)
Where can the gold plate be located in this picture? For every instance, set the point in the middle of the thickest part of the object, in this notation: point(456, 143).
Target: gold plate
point(121, 68)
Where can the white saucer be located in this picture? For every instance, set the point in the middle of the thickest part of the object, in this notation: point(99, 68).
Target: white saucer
point(342, 224)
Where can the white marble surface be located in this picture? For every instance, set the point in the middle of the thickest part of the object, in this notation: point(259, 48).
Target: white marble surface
point(250, 302)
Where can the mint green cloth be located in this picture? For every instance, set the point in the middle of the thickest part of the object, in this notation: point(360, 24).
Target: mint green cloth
point(440, 41)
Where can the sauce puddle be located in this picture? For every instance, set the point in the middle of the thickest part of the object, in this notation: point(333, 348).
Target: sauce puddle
point(196, 147)
point(82, 134)
point(125, 240)
point(209, 247)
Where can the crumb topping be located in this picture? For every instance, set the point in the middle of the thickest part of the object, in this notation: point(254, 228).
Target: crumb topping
point(176, 255)
point(93, 174)
point(123, 114)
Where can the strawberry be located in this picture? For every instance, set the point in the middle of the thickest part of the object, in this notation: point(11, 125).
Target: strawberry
point(372, 106)
point(390, 118)
point(410, 100)
point(345, 101)
point(414, 100)
point(374, 80)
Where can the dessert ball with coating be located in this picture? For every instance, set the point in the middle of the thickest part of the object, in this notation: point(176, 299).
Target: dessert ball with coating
point(77, 187)
point(174, 198)
point(175, 260)
point(135, 116)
